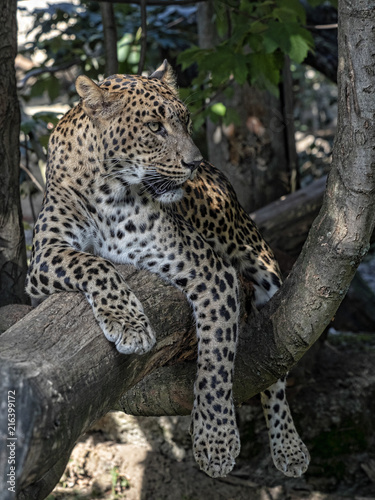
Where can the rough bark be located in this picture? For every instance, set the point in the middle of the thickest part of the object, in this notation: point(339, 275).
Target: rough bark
point(12, 241)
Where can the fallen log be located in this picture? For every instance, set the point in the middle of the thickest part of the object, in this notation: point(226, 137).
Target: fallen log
point(64, 375)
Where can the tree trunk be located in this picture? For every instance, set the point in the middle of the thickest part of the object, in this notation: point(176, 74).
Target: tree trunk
point(12, 240)
point(110, 38)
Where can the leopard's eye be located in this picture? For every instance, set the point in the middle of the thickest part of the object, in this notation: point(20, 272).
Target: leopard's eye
point(155, 126)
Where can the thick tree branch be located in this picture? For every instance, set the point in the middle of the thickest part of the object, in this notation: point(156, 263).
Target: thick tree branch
point(12, 240)
point(66, 375)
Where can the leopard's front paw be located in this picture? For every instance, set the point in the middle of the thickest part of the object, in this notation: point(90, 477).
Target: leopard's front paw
point(289, 454)
point(216, 443)
point(129, 328)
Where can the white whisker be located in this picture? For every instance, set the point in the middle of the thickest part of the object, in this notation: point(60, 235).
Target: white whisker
point(189, 97)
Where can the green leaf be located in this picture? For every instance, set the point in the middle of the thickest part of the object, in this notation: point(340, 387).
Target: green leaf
point(289, 10)
point(123, 47)
point(221, 19)
point(299, 47)
point(240, 30)
point(38, 87)
point(240, 70)
point(291, 38)
point(27, 126)
point(258, 27)
point(47, 117)
point(218, 63)
point(270, 42)
point(191, 56)
point(43, 139)
point(219, 109)
point(265, 71)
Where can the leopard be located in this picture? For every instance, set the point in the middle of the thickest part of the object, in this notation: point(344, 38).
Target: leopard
point(126, 184)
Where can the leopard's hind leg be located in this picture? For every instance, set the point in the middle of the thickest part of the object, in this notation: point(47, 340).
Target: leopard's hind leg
point(256, 262)
point(289, 453)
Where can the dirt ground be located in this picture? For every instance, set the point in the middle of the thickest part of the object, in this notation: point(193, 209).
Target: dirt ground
point(144, 458)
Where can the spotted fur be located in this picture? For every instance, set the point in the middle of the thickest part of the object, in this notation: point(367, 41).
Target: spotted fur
point(126, 184)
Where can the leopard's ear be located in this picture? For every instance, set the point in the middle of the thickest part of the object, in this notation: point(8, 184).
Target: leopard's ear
point(166, 74)
point(96, 102)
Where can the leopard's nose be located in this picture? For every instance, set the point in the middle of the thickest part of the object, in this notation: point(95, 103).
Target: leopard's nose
point(192, 165)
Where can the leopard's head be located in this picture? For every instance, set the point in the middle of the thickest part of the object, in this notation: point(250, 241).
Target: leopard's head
point(144, 130)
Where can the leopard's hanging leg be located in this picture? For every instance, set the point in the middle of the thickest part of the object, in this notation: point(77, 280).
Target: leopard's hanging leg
point(289, 453)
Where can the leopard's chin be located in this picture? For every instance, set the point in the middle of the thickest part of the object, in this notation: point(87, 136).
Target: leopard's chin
point(171, 196)
point(164, 191)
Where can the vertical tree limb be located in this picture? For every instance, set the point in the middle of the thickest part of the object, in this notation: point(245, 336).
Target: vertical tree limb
point(110, 38)
point(12, 240)
point(142, 57)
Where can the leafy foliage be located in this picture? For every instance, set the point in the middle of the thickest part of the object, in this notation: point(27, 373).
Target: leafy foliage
point(69, 38)
point(254, 38)
point(44, 121)
point(70, 34)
